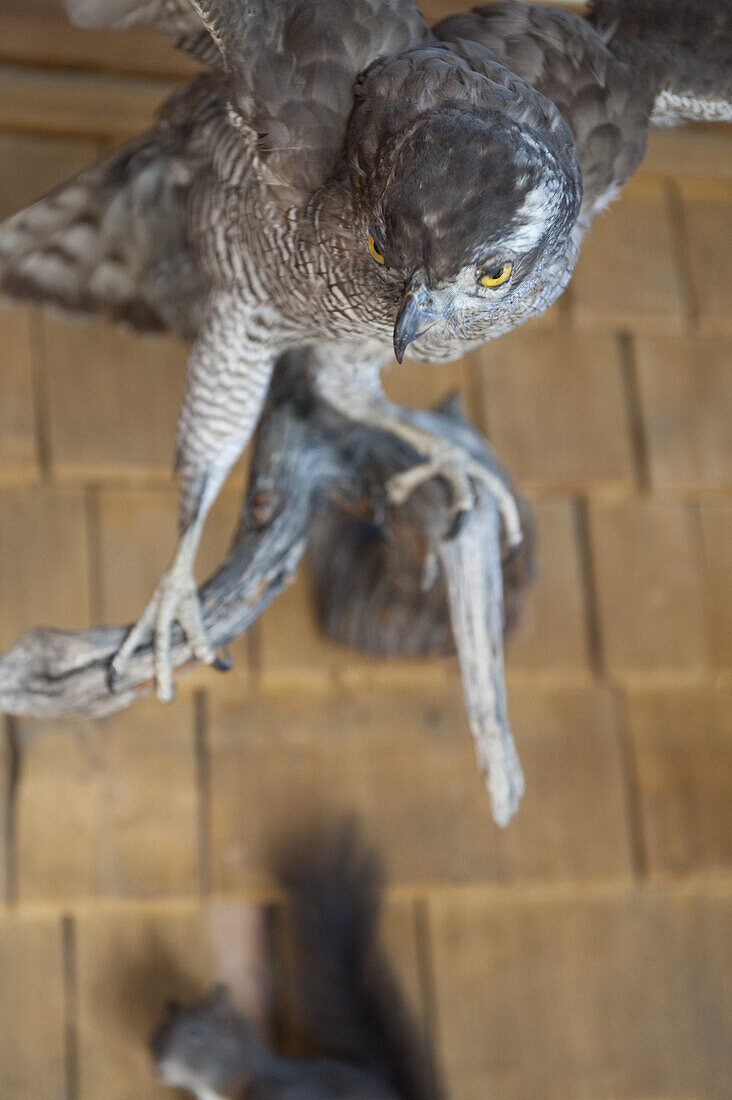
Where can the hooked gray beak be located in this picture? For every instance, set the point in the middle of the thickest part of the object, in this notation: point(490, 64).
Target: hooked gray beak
point(421, 308)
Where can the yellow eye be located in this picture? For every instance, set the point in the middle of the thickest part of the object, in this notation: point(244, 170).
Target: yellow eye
point(498, 276)
point(372, 249)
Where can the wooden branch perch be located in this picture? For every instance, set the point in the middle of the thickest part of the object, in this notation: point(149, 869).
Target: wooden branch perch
point(317, 476)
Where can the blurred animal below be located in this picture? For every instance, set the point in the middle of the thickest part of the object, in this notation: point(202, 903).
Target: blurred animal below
point(370, 1047)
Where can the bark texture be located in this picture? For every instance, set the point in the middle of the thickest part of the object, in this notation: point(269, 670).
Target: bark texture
point(392, 581)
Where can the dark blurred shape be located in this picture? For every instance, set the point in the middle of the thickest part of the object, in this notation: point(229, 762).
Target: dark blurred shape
point(369, 1045)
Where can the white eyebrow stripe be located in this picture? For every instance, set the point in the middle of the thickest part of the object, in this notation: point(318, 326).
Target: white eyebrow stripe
point(534, 216)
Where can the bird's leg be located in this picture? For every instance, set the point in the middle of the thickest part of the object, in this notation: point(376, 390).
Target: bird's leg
point(174, 599)
point(446, 460)
point(349, 380)
point(227, 376)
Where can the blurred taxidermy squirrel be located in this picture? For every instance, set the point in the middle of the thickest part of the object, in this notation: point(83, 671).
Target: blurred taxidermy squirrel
point(372, 1048)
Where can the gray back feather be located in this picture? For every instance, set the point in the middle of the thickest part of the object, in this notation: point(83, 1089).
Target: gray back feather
point(560, 55)
point(683, 48)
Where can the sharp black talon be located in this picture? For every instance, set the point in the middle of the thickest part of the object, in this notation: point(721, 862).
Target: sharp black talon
point(457, 524)
point(112, 679)
point(224, 662)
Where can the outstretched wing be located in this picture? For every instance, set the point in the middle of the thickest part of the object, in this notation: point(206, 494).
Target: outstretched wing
point(293, 68)
point(682, 47)
point(290, 66)
point(113, 239)
point(177, 19)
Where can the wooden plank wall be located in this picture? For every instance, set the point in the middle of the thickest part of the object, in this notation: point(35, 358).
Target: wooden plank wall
point(583, 952)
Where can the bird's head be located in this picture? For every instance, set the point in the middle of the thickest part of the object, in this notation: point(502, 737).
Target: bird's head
point(204, 1046)
point(461, 211)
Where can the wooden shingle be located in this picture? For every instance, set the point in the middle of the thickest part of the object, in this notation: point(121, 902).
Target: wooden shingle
point(113, 400)
point(44, 567)
point(682, 751)
point(19, 460)
point(32, 1023)
point(551, 636)
point(650, 593)
point(129, 963)
point(109, 808)
point(707, 205)
point(685, 387)
point(555, 407)
point(610, 994)
point(629, 273)
point(402, 761)
point(716, 524)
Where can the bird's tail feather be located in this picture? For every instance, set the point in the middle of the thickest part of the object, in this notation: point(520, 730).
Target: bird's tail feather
point(348, 992)
point(683, 46)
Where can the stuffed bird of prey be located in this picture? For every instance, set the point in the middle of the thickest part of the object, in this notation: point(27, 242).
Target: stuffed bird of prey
point(346, 180)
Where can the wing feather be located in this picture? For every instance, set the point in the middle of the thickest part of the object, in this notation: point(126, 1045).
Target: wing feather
point(290, 66)
point(177, 19)
point(293, 65)
point(683, 47)
point(112, 240)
